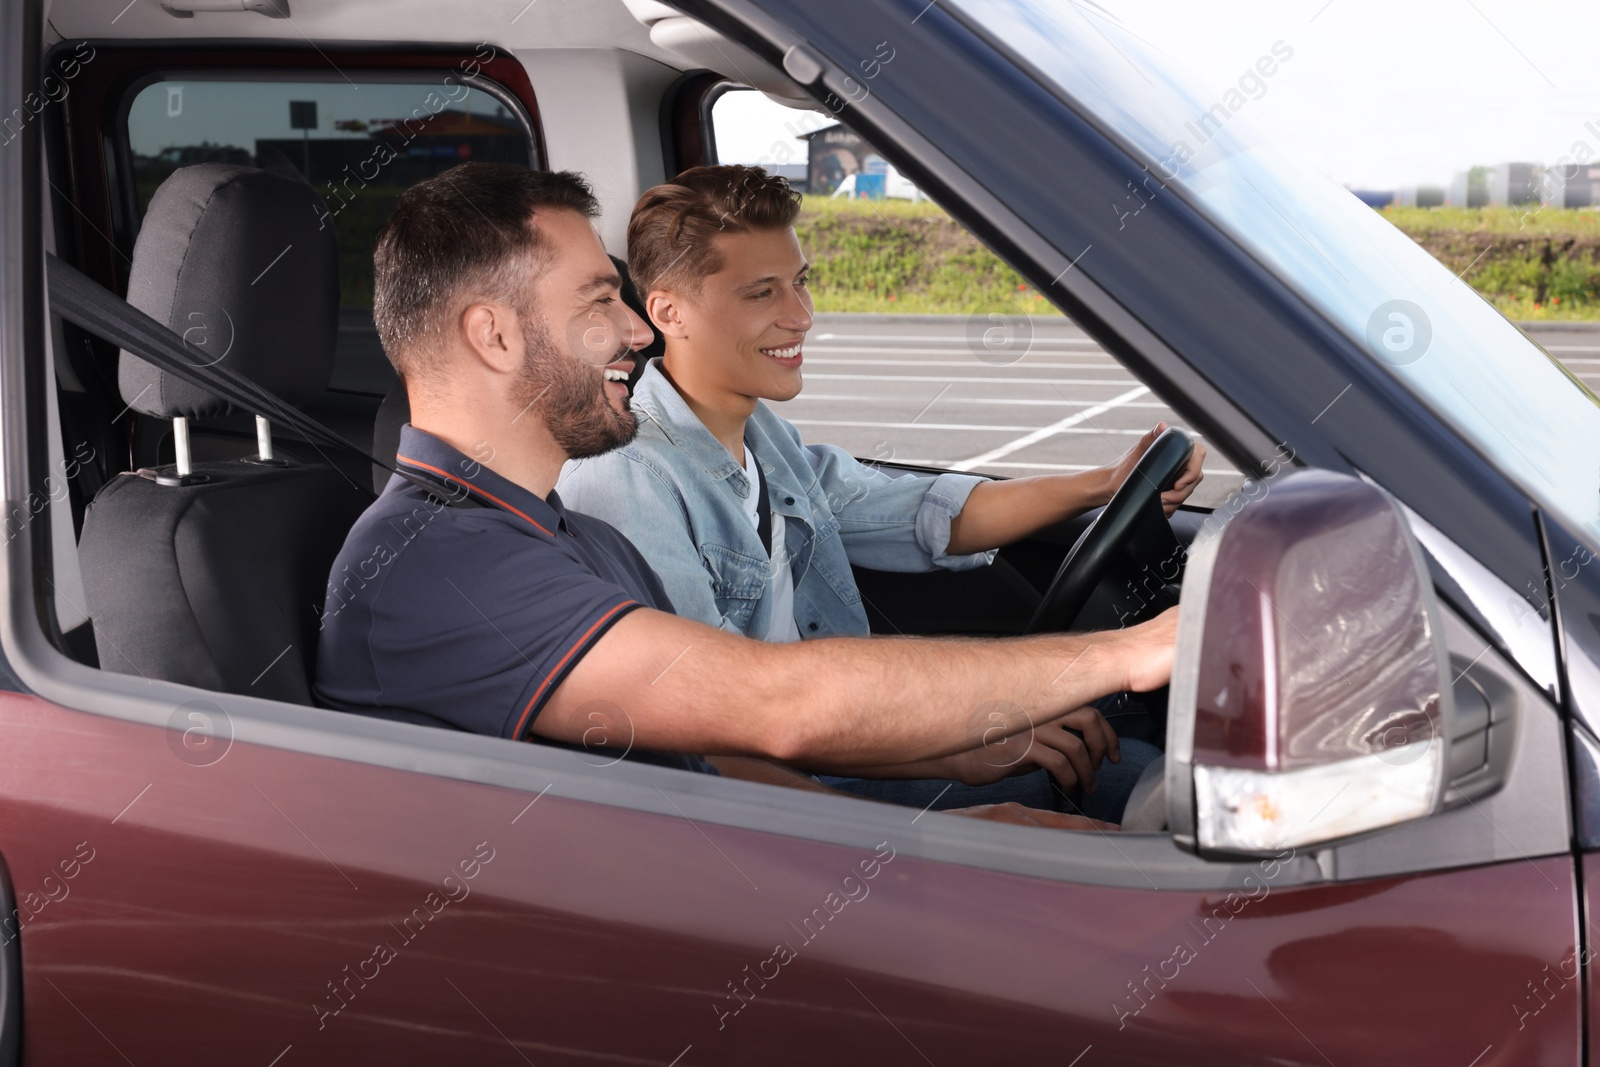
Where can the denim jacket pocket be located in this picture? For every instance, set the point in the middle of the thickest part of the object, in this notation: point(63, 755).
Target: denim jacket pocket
point(738, 582)
point(829, 561)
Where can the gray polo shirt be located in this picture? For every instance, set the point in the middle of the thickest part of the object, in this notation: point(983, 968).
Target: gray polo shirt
point(469, 615)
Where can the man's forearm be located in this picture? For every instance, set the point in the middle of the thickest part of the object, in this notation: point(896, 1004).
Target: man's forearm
point(998, 513)
point(901, 701)
point(665, 683)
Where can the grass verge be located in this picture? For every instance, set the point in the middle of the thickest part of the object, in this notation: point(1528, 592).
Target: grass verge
point(897, 256)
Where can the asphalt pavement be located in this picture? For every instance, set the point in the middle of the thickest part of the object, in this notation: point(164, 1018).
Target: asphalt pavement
point(919, 390)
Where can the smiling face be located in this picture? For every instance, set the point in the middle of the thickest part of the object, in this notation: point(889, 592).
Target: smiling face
point(579, 342)
point(739, 339)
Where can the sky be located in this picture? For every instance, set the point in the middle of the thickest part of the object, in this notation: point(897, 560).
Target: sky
point(1379, 93)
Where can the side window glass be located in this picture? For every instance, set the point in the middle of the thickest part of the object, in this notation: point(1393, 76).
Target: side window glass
point(929, 349)
point(359, 145)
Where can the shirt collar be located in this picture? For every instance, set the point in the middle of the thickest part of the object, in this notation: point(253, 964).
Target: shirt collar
point(423, 454)
point(659, 400)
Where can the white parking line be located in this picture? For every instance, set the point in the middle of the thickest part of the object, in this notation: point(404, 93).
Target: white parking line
point(1048, 431)
point(943, 379)
point(903, 344)
point(1005, 400)
point(950, 426)
point(975, 364)
point(944, 337)
point(892, 341)
point(953, 350)
point(1069, 467)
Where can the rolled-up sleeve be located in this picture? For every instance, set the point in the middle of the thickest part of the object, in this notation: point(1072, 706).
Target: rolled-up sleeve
point(940, 505)
point(894, 522)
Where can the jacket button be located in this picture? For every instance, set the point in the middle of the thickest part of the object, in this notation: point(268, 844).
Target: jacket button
point(811, 626)
point(789, 500)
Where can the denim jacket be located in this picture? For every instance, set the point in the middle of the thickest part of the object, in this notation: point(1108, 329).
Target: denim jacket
point(677, 494)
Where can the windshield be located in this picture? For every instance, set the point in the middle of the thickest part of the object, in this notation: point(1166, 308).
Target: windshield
point(1501, 391)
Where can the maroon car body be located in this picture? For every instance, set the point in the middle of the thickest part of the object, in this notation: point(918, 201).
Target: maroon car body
point(233, 911)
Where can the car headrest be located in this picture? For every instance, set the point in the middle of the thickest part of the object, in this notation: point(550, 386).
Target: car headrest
point(241, 263)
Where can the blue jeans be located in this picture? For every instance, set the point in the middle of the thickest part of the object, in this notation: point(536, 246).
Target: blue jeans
point(1127, 715)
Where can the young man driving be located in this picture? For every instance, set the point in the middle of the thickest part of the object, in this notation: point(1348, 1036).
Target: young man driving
point(480, 602)
point(754, 531)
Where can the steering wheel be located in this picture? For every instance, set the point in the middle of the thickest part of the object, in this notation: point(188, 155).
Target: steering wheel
point(1130, 539)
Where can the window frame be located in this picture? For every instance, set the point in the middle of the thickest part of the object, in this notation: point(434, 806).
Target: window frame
point(25, 629)
point(687, 136)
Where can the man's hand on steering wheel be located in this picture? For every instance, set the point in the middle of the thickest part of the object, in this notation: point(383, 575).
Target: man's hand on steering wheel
point(1118, 472)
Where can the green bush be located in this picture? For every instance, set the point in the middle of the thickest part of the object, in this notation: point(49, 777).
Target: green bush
point(1575, 280)
point(898, 256)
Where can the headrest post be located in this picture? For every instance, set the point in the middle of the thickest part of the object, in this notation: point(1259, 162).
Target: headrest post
point(180, 444)
point(180, 448)
point(264, 439)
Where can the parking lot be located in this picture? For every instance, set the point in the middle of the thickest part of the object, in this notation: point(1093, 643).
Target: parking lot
point(916, 391)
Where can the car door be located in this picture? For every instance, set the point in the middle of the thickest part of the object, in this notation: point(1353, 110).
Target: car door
point(186, 897)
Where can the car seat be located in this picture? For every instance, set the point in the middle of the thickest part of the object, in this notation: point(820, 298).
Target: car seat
point(213, 574)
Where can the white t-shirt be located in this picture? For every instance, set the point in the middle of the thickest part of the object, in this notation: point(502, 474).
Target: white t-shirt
point(780, 586)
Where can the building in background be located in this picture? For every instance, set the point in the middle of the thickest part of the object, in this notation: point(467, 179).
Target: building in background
point(840, 163)
point(1420, 196)
point(1514, 184)
point(418, 147)
point(1572, 185)
point(833, 154)
point(1469, 188)
point(796, 174)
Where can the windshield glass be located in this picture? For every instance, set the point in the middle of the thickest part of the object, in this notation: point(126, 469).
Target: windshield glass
point(1503, 392)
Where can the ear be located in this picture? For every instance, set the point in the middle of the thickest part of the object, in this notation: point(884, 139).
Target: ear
point(666, 314)
point(494, 335)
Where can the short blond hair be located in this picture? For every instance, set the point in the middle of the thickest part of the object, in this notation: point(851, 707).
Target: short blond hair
point(674, 225)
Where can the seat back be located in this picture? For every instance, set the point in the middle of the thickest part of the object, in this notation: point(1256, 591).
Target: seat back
point(219, 583)
point(217, 579)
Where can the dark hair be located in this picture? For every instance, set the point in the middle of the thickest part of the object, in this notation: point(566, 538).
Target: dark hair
point(457, 238)
point(673, 225)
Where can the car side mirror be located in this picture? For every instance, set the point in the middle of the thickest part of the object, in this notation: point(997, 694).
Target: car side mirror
point(1311, 696)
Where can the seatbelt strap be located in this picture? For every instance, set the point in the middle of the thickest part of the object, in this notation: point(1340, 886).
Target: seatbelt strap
point(79, 299)
point(763, 506)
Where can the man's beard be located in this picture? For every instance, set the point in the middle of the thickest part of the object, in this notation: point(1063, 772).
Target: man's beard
point(574, 405)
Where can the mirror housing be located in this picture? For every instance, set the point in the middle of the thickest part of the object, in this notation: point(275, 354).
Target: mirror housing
point(1311, 698)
